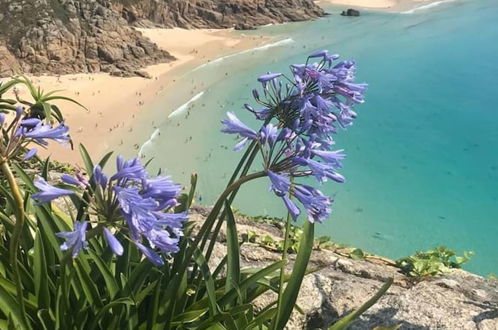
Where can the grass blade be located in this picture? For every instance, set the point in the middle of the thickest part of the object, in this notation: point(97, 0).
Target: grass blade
point(346, 321)
point(299, 270)
point(233, 253)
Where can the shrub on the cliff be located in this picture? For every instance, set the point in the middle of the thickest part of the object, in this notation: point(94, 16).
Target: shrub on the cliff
point(123, 255)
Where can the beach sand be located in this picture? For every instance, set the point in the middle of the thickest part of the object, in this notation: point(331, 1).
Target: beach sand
point(114, 102)
point(389, 5)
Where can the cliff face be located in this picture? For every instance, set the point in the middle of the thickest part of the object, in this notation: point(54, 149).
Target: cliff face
point(67, 36)
point(217, 13)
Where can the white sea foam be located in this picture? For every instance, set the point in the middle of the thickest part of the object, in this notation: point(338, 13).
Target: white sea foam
point(257, 49)
point(184, 107)
point(428, 6)
point(149, 141)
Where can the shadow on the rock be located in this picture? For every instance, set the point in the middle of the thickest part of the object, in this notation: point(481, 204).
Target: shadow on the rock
point(382, 318)
point(489, 314)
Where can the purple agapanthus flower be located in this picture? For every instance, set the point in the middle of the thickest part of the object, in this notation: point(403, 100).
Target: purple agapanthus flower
point(42, 131)
point(30, 154)
point(76, 239)
point(48, 192)
point(300, 119)
point(233, 125)
point(114, 244)
point(99, 178)
point(143, 203)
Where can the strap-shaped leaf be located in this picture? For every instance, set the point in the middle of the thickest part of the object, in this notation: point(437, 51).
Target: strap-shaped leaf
point(40, 272)
point(208, 281)
point(251, 280)
point(111, 283)
point(233, 253)
point(298, 272)
point(9, 307)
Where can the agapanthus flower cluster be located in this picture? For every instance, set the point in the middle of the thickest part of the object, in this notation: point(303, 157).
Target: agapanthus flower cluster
point(129, 203)
point(24, 130)
point(300, 114)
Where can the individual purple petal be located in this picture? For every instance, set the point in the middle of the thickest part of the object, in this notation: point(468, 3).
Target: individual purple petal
point(66, 178)
point(131, 169)
point(319, 53)
point(114, 244)
point(99, 177)
point(150, 254)
point(75, 240)
point(163, 240)
point(48, 193)
point(291, 207)
point(30, 122)
point(268, 77)
point(42, 131)
point(280, 183)
point(19, 112)
point(2, 118)
point(233, 125)
point(316, 204)
point(239, 146)
point(332, 157)
point(30, 154)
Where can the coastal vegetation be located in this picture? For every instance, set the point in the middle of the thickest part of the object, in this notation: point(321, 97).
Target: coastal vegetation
point(120, 250)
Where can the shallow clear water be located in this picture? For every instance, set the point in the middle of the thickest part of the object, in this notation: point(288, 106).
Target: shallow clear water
point(422, 164)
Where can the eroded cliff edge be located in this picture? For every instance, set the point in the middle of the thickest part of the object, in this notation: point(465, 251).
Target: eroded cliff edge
point(70, 36)
point(457, 300)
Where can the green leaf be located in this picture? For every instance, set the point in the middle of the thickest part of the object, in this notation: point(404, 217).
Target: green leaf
point(357, 254)
point(346, 321)
point(9, 307)
point(299, 270)
point(251, 280)
point(208, 279)
point(233, 253)
point(103, 311)
point(88, 285)
point(47, 110)
point(189, 317)
point(110, 281)
point(262, 318)
point(87, 160)
point(40, 272)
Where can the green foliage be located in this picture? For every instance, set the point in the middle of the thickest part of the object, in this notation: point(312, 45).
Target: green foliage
point(433, 262)
point(42, 287)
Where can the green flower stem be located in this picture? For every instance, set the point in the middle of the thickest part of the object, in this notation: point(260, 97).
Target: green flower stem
point(208, 224)
point(284, 258)
point(16, 235)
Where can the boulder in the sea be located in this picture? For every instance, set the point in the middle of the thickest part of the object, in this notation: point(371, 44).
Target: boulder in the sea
point(351, 12)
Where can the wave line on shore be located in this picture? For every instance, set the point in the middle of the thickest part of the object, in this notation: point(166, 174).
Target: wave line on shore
point(181, 109)
point(260, 48)
point(149, 141)
point(428, 6)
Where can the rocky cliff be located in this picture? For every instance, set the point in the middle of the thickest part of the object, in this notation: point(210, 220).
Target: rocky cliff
point(216, 13)
point(455, 301)
point(67, 36)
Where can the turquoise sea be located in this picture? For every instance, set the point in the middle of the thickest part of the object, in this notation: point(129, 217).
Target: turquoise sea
point(422, 165)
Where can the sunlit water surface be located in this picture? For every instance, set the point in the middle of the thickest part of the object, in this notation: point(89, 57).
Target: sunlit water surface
point(422, 165)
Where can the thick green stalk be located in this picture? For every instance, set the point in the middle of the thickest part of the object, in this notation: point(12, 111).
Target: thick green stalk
point(284, 258)
point(16, 235)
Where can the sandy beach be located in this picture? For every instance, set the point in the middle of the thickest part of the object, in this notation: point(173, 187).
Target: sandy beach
point(389, 5)
point(114, 102)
